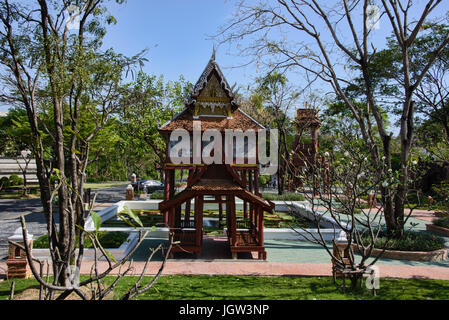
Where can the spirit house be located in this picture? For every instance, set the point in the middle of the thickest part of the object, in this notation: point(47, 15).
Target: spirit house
point(212, 112)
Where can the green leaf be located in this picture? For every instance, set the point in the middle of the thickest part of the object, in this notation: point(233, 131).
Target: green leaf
point(127, 211)
point(126, 220)
point(96, 219)
point(110, 255)
point(77, 134)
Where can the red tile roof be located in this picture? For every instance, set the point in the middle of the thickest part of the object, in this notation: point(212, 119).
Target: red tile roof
point(184, 120)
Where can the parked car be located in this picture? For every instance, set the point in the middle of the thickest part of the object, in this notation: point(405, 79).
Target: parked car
point(150, 185)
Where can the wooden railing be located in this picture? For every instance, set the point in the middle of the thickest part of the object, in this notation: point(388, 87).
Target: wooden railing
point(185, 238)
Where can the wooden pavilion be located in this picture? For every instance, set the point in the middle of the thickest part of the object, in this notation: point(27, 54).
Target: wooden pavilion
point(214, 104)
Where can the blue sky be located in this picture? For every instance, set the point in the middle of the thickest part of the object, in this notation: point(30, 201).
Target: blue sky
point(175, 32)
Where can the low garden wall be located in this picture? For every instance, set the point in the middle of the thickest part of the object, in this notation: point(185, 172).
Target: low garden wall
point(328, 227)
point(436, 255)
point(437, 229)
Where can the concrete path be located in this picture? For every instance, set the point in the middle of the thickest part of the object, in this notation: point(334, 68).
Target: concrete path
point(12, 209)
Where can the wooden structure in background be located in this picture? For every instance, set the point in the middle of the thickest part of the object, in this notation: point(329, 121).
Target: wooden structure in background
point(213, 103)
point(305, 153)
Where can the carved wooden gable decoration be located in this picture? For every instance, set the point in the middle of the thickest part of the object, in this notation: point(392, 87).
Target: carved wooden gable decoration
point(212, 96)
point(212, 100)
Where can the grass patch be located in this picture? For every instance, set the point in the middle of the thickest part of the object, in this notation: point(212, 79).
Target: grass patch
point(17, 196)
point(108, 240)
point(96, 186)
point(262, 288)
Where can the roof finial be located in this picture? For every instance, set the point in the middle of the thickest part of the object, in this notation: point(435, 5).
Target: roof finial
point(213, 53)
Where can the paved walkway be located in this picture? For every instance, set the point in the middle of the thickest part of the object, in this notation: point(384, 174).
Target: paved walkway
point(293, 258)
point(262, 268)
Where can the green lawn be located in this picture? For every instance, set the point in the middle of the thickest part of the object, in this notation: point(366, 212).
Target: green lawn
point(272, 288)
point(96, 186)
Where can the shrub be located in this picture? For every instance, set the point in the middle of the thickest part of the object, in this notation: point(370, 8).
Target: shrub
point(15, 180)
point(442, 222)
point(4, 183)
point(441, 191)
point(411, 241)
point(157, 195)
point(113, 239)
point(289, 196)
point(264, 179)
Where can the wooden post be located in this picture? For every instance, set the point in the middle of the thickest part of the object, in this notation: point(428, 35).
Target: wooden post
point(172, 184)
point(233, 226)
point(233, 220)
point(187, 213)
point(171, 218)
point(261, 239)
point(245, 206)
point(166, 194)
point(256, 181)
point(199, 219)
point(178, 216)
point(250, 189)
point(220, 209)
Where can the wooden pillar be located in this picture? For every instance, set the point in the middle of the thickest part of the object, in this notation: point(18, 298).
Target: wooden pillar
point(220, 209)
point(250, 181)
point(250, 189)
point(172, 183)
point(187, 213)
point(166, 194)
point(171, 217)
point(228, 215)
point(260, 216)
point(256, 218)
point(245, 206)
point(256, 181)
point(261, 239)
point(199, 219)
point(178, 216)
point(233, 220)
point(189, 179)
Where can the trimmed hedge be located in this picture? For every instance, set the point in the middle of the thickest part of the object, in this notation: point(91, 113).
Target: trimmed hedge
point(157, 195)
point(442, 222)
point(288, 196)
point(15, 180)
point(108, 240)
point(411, 241)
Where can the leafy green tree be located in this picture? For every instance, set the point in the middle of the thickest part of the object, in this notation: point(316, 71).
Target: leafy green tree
point(335, 48)
point(15, 138)
point(277, 96)
point(148, 103)
point(69, 88)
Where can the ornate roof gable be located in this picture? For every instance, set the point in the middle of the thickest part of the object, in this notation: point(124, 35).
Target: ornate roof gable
point(205, 77)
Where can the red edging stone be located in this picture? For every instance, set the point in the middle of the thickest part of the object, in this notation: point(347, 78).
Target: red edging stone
point(437, 229)
point(436, 255)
